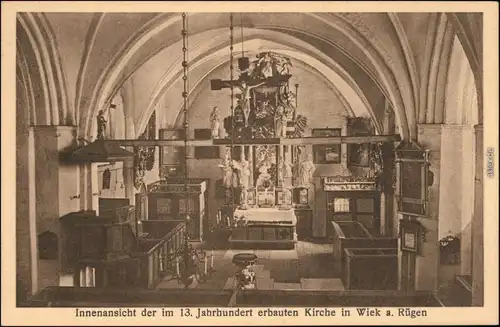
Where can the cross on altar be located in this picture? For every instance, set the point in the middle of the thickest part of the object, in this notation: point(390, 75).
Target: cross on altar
point(218, 84)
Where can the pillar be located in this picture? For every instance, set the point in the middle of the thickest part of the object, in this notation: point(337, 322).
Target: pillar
point(388, 225)
point(477, 222)
point(452, 196)
point(427, 262)
point(55, 192)
point(26, 232)
point(468, 198)
point(250, 164)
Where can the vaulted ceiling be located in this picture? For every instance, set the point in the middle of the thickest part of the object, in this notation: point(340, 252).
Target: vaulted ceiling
point(73, 64)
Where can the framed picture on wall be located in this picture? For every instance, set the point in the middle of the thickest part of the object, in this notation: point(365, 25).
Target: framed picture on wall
point(171, 155)
point(412, 233)
point(329, 153)
point(205, 152)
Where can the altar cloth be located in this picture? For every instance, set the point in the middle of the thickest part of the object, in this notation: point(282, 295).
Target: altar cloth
point(267, 216)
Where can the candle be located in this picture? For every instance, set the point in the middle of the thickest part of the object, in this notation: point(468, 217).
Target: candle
point(212, 260)
point(177, 266)
point(206, 267)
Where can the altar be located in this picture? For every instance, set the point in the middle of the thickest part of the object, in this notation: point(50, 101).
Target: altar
point(268, 228)
point(260, 178)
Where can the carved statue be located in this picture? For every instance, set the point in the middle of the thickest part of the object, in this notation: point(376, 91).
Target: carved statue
point(263, 65)
point(243, 170)
point(269, 63)
point(245, 97)
point(287, 172)
point(244, 173)
point(263, 171)
point(306, 171)
point(280, 121)
point(245, 89)
point(283, 66)
point(215, 123)
point(227, 171)
point(101, 125)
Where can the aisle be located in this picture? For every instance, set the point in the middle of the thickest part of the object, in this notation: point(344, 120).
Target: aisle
point(309, 266)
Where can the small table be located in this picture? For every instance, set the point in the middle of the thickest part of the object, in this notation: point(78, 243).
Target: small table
point(244, 274)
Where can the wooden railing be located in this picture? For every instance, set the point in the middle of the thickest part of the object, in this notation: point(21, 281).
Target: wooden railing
point(156, 249)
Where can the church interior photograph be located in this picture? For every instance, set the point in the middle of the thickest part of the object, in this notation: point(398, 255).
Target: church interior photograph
point(249, 159)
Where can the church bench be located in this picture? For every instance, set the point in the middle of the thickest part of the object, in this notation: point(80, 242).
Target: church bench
point(370, 269)
point(352, 234)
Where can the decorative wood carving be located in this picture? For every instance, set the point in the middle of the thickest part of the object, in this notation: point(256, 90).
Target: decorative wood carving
point(412, 180)
point(145, 156)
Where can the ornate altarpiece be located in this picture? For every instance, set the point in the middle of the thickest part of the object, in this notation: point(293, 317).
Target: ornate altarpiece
point(265, 110)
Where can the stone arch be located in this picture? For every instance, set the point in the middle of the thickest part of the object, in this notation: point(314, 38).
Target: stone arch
point(174, 77)
point(89, 45)
point(469, 30)
point(461, 106)
point(196, 89)
point(37, 44)
point(386, 76)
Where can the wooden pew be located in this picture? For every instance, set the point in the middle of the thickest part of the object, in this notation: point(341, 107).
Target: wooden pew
point(352, 234)
point(370, 269)
point(92, 298)
point(131, 297)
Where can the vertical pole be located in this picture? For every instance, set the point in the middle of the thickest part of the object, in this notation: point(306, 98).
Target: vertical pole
point(186, 258)
point(232, 105)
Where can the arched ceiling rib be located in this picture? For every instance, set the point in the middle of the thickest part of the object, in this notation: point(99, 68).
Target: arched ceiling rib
point(154, 68)
point(169, 87)
point(382, 52)
point(325, 26)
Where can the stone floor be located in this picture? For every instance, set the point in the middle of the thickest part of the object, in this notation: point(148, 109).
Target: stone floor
point(309, 266)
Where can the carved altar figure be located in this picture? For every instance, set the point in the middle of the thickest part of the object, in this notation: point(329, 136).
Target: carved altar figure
point(243, 170)
point(227, 171)
point(101, 125)
point(287, 173)
point(283, 65)
point(306, 171)
point(263, 171)
point(289, 103)
point(215, 123)
point(263, 65)
point(245, 97)
point(280, 121)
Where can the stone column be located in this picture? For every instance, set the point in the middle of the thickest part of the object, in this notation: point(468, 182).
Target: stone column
point(477, 223)
point(387, 214)
point(26, 231)
point(427, 263)
point(467, 205)
point(54, 190)
point(451, 197)
point(250, 164)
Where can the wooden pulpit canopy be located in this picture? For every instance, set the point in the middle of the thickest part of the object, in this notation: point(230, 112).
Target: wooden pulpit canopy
point(99, 151)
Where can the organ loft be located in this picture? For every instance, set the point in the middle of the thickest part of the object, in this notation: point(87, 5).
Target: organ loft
point(234, 159)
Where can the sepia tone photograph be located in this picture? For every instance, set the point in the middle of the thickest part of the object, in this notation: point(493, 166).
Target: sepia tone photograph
point(298, 162)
